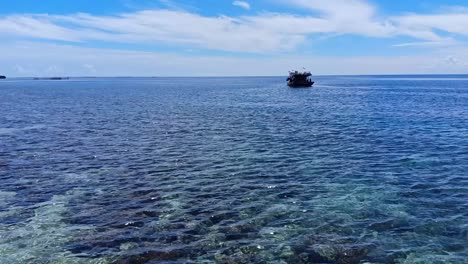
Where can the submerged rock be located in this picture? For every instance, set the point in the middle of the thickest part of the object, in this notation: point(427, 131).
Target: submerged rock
point(336, 254)
point(321, 250)
point(156, 256)
point(390, 224)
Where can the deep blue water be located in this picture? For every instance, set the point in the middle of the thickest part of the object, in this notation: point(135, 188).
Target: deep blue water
point(234, 170)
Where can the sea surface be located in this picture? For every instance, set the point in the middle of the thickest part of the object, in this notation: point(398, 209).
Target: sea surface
point(358, 169)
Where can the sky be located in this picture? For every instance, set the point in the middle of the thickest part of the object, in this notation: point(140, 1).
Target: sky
point(232, 38)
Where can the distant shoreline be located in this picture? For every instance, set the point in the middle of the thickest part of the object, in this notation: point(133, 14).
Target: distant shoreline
point(266, 76)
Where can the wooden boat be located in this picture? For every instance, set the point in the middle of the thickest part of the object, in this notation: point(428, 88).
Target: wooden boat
point(300, 79)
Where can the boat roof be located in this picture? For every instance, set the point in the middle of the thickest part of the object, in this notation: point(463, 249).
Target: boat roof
point(297, 73)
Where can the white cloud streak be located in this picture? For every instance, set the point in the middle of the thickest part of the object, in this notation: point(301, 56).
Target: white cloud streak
point(449, 42)
point(261, 33)
point(454, 22)
point(242, 4)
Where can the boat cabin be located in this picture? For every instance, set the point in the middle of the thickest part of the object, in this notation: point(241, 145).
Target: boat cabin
point(300, 79)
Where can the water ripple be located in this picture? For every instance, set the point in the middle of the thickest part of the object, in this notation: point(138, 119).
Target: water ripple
point(358, 170)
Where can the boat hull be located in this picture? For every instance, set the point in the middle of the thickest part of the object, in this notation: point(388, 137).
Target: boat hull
point(300, 85)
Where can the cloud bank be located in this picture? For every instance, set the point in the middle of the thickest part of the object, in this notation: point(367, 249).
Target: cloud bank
point(275, 36)
point(42, 59)
point(261, 33)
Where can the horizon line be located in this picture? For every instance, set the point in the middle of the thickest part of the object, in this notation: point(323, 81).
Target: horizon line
point(228, 76)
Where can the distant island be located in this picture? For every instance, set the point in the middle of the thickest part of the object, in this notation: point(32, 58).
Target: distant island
point(52, 78)
point(2, 77)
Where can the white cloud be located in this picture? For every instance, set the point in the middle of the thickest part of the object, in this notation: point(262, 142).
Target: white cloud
point(20, 70)
point(348, 16)
point(242, 4)
point(90, 68)
point(454, 61)
point(157, 26)
point(453, 22)
point(71, 61)
point(265, 32)
point(342, 9)
point(261, 33)
point(54, 70)
point(448, 42)
point(362, 18)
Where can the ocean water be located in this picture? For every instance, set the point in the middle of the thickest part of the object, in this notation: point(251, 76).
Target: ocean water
point(360, 169)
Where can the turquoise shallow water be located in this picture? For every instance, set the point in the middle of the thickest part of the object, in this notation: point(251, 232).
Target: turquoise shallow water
point(234, 170)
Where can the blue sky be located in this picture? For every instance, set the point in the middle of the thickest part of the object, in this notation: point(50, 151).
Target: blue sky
point(220, 37)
